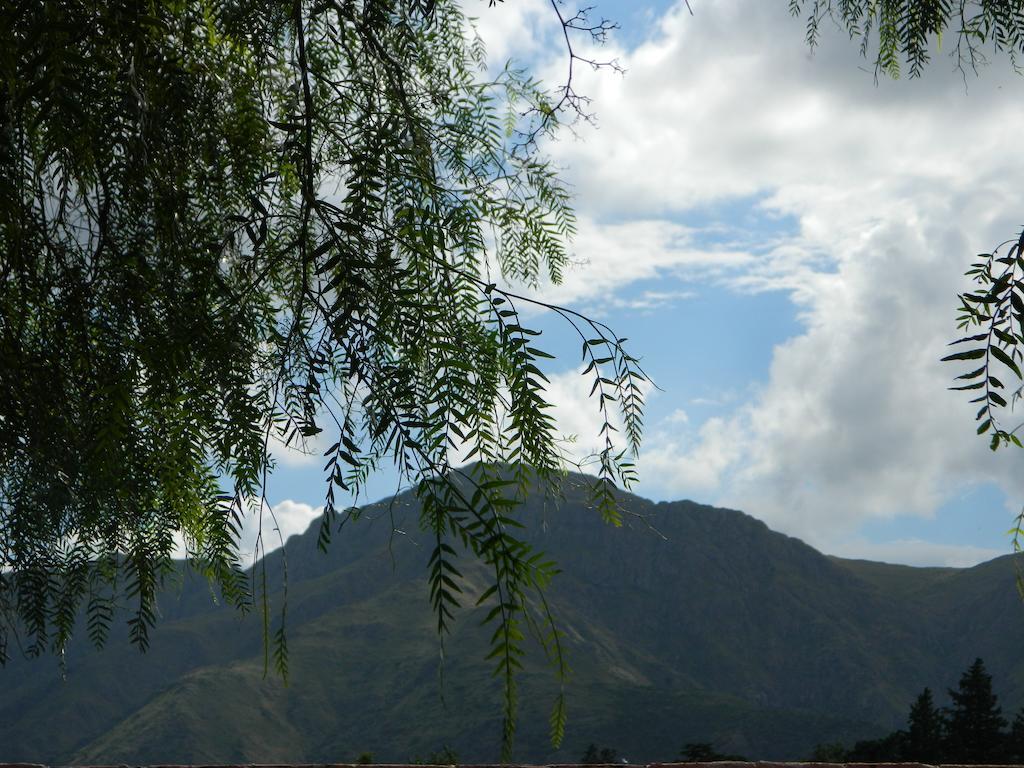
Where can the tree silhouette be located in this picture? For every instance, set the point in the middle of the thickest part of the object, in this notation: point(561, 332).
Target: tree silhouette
point(704, 752)
point(443, 756)
point(925, 730)
point(888, 749)
point(1013, 747)
point(975, 730)
point(830, 752)
point(595, 756)
point(969, 732)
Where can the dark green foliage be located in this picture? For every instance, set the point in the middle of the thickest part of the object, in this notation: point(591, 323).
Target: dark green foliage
point(975, 727)
point(969, 732)
point(885, 750)
point(926, 728)
point(830, 752)
point(907, 30)
point(703, 752)
point(594, 756)
point(997, 310)
point(443, 756)
point(365, 758)
point(228, 225)
point(1014, 743)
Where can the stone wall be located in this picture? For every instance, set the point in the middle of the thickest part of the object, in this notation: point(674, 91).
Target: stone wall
point(759, 764)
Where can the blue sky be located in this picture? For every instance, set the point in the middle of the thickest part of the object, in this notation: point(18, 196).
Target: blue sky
point(782, 239)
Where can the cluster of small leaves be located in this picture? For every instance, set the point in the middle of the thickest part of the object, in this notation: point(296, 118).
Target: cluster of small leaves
point(126, 349)
point(908, 30)
point(996, 308)
point(225, 224)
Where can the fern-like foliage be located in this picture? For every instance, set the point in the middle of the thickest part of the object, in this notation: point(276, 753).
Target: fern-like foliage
point(225, 224)
point(906, 31)
point(992, 319)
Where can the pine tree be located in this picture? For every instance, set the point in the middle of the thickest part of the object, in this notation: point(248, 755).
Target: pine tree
point(1013, 751)
point(975, 732)
point(925, 731)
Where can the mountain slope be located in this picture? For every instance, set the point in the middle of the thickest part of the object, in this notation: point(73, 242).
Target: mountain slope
point(690, 623)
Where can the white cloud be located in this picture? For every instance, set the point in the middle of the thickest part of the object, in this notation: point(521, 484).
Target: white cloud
point(695, 465)
point(893, 188)
point(578, 417)
point(516, 30)
point(302, 452)
point(607, 257)
point(706, 401)
point(854, 421)
point(650, 300)
point(278, 523)
point(678, 416)
point(728, 103)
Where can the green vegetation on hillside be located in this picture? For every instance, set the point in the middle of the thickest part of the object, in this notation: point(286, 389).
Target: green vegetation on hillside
point(720, 632)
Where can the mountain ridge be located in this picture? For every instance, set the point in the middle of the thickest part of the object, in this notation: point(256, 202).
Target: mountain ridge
point(716, 629)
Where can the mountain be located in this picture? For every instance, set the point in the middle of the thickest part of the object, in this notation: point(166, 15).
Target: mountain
point(689, 623)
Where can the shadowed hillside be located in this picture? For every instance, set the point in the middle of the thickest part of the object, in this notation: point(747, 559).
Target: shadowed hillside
point(688, 624)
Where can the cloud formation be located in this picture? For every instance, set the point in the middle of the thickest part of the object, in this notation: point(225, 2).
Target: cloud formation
point(269, 531)
point(892, 187)
point(861, 202)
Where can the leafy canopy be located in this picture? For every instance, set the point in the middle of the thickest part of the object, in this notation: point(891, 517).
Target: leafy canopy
point(225, 223)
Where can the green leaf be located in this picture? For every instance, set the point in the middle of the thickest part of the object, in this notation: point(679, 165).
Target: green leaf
point(971, 354)
point(1005, 359)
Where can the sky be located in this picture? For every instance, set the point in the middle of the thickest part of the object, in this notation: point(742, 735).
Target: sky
point(782, 238)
